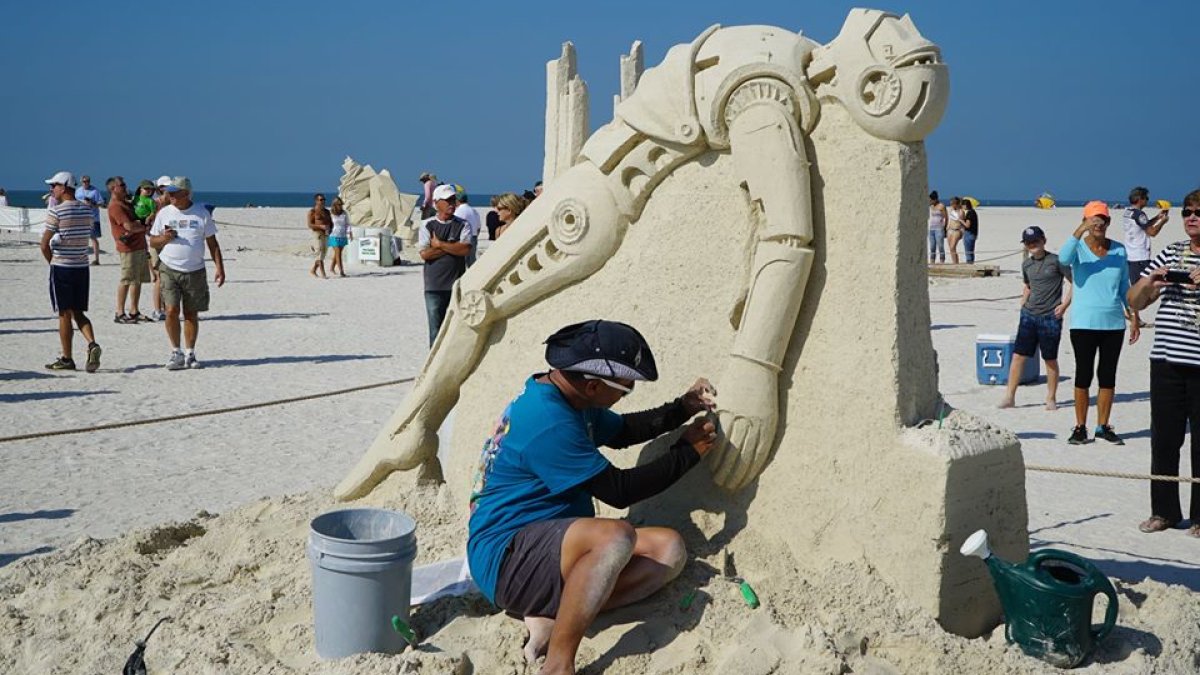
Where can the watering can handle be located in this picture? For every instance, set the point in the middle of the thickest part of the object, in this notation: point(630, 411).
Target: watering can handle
point(1098, 579)
point(1110, 614)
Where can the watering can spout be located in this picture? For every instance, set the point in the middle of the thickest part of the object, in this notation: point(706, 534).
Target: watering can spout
point(976, 545)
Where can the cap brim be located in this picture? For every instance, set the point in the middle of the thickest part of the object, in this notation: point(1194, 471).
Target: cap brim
point(172, 188)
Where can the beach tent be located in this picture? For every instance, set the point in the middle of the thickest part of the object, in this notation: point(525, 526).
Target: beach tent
point(1044, 201)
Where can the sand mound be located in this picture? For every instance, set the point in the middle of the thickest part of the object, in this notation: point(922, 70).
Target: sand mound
point(237, 587)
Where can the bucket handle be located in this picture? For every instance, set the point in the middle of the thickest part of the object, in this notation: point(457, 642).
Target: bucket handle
point(1097, 578)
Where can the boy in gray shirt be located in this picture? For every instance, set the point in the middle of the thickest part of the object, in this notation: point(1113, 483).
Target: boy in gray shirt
point(1044, 301)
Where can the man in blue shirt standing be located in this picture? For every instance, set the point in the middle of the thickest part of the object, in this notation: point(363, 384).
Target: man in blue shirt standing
point(535, 546)
point(88, 195)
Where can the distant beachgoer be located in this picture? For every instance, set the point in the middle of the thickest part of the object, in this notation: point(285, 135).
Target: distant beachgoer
point(88, 194)
point(469, 214)
point(180, 232)
point(954, 228)
point(937, 229)
point(341, 235)
point(428, 183)
point(1174, 371)
point(537, 189)
point(1139, 228)
point(1101, 279)
point(493, 219)
point(3, 197)
point(970, 229)
point(64, 245)
point(508, 207)
point(161, 199)
point(443, 243)
point(320, 223)
point(1044, 301)
point(130, 236)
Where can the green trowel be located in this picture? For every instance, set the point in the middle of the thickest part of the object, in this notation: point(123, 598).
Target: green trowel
point(730, 574)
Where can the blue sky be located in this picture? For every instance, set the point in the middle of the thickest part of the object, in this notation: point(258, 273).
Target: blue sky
point(1085, 99)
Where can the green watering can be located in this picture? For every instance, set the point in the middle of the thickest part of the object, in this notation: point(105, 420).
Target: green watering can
point(1048, 602)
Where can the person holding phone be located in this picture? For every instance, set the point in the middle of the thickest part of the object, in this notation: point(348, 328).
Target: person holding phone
point(1174, 277)
point(181, 231)
point(1139, 228)
point(1100, 280)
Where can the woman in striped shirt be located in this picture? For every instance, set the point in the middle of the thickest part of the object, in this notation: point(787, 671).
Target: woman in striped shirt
point(1174, 369)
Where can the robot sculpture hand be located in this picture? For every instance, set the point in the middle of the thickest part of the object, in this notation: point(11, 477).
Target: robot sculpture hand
point(743, 89)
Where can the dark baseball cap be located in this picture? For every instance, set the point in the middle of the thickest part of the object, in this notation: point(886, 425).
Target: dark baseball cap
point(1032, 234)
point(603, 348)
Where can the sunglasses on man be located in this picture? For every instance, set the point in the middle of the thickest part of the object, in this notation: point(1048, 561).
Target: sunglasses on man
point(625, 391)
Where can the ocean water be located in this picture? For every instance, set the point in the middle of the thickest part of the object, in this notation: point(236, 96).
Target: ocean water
point(32, 199)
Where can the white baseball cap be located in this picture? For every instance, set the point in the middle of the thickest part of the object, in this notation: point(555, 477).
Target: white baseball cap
point(444, 192)
point(162, 181)
point(62, 178)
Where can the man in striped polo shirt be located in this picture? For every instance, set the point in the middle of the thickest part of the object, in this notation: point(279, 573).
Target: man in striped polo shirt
point(65, 246)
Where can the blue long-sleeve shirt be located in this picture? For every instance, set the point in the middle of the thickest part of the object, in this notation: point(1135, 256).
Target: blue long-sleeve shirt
point(1098, 302)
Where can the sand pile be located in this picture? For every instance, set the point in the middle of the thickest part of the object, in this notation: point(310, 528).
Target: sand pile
point(238, 589)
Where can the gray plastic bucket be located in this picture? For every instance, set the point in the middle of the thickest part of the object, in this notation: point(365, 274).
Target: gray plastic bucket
point(362, 577)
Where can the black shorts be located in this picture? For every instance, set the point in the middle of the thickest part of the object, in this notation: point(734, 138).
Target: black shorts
point(530, 582)
point(69, 288)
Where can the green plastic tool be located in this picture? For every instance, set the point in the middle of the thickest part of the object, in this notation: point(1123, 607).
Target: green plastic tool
point(687, 600)
point(730, 574)
point(405, 632)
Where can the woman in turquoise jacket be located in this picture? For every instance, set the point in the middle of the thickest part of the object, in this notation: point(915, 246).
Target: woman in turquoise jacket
point(1099, 312)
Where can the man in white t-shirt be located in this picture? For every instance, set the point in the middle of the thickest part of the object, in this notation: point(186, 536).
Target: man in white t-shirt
point(1139, 228)
point(469, 214)
point(180, 232)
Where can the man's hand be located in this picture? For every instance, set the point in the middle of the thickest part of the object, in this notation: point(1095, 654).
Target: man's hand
point(219, 276)
point(434, 242)
point(699, 398)
point(701, 434)
point(1059, 310)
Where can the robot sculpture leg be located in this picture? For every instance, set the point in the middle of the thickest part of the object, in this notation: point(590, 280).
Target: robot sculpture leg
point(558, 240)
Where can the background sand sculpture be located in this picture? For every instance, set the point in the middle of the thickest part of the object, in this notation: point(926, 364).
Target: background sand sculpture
point(372, 199)
point(731, 125)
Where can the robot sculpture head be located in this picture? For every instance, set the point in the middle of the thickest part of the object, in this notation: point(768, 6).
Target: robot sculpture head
point(887, 75)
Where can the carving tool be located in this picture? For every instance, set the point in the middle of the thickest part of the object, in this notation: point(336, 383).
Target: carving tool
point(730, 574)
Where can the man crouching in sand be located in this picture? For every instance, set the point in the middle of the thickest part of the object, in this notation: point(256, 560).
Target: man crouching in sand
point(536, 548)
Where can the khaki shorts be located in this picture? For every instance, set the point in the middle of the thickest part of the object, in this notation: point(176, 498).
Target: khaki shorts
point(134, 268)
point(320, 244)
point(153, 257)
point(187, 288)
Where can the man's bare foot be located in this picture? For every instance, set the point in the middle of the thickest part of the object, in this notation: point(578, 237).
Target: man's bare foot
point(1051, 404)
point(539, 628)
point(313, 272)
point(1006, 402)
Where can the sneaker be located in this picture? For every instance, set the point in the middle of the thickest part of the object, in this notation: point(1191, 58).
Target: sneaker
point(1106, 432)
point(157, 315)
point(176, 361)
point(1078, 435)
point(189, 361)
point(63, 363)
point(93, 359)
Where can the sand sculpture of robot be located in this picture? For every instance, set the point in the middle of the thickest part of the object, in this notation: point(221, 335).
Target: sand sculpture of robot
point(756, 208)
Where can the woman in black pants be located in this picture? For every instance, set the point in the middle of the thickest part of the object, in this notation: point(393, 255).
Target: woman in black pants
point(1174, 370)
point(1100, 276)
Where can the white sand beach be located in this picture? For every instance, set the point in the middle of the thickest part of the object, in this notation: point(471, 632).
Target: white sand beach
point(104, 532)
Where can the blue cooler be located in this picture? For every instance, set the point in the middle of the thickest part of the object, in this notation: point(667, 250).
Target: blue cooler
point(993, 358)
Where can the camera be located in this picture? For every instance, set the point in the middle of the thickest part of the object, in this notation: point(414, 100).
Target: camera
point(1179, 277)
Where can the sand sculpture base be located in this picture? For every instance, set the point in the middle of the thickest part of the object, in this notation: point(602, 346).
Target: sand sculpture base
point(852, 478)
